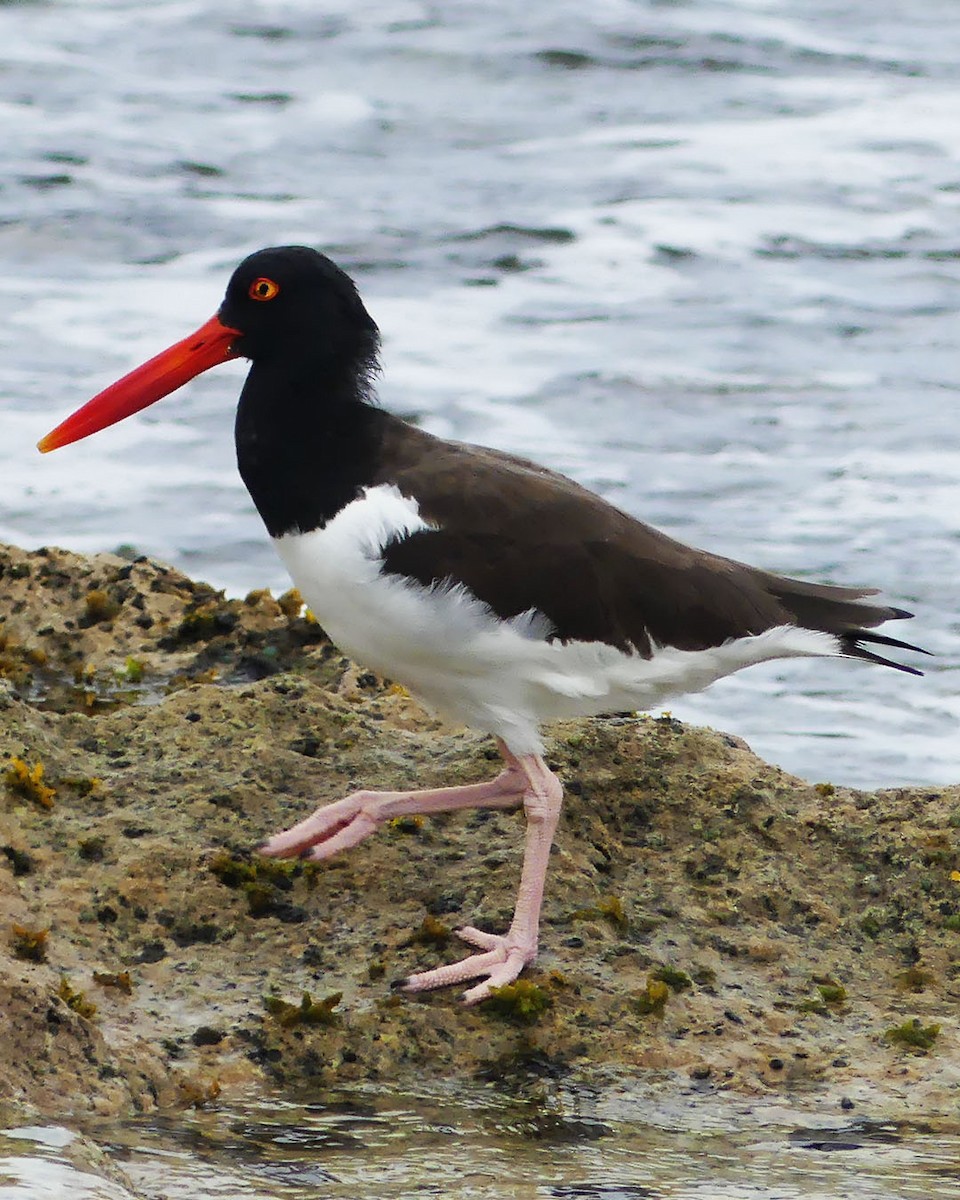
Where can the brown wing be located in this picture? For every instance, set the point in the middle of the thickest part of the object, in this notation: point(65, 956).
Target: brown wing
point(519, 537)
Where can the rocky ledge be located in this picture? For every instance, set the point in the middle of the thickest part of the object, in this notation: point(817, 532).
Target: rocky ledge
point(710, 922)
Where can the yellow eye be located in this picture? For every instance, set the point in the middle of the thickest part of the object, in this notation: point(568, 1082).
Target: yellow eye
point(263, 289)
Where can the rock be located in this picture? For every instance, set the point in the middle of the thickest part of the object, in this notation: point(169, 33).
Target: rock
point(177, 728)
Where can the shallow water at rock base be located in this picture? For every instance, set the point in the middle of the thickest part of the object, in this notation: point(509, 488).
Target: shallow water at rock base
point(475, 1142)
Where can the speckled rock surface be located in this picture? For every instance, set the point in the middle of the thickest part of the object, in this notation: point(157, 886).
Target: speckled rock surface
point(710, 922)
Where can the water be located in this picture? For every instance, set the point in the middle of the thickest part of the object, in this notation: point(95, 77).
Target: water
point(478, 1145)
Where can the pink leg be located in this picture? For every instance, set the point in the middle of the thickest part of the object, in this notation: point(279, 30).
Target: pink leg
point(503, 956)
point(527, 780)
point(344, 823)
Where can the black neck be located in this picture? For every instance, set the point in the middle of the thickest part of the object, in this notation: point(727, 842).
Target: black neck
point(307, 442)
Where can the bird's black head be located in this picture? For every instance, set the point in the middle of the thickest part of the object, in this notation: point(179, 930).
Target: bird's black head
point(292, 302)
point(289, 309)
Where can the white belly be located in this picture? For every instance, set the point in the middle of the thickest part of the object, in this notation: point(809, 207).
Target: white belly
point(449, 649)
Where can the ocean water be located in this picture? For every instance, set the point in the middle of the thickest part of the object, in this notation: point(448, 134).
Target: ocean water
point(478, 1144)
point(704, 256)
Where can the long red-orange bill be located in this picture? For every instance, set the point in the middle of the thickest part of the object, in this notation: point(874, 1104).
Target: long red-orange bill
point(211, 345)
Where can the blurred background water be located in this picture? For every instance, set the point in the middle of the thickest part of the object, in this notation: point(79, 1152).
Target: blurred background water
point(704, 256)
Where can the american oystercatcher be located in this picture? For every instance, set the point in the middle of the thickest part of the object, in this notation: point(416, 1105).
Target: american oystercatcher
point(502, 594)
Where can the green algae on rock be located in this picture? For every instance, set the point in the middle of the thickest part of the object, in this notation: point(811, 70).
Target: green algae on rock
point(30, 945)
point(652, 1000)
point(307, 1012)
point(521, 1001)
point(913, 1035)
point(26, 781)
point(75, 1000)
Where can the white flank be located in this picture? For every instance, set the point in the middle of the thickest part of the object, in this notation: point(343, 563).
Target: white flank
point(449, 649)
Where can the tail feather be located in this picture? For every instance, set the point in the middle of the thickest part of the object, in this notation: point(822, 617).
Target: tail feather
point(851, 640)
point(881, 639)
point(845, 613)
point(833, 609)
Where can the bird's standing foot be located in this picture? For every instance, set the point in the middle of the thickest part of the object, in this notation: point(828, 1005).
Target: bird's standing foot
point(504, 957)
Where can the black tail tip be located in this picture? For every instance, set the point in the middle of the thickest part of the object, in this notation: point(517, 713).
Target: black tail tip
point(852, 647)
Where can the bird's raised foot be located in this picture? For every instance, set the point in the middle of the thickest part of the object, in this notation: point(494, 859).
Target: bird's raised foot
point(344, 823)
point(332, 828)
point(502, 959)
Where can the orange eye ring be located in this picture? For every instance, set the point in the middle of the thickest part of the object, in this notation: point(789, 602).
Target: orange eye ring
point(263, 289)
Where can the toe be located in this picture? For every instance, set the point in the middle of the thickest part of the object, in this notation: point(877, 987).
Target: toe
point(479, 938)
point(502, 974)
point(475, 994)
point(458, 972)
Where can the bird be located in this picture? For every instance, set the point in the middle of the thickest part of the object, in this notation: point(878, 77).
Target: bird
point(500, 593)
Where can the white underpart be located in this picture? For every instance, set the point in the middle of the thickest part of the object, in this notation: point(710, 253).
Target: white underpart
point(451, 651)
